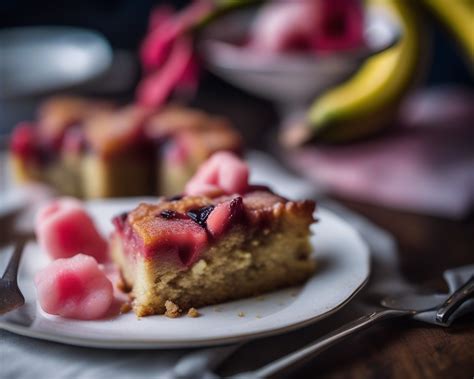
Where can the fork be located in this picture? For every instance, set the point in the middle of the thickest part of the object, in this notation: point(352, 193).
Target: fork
point(404, 306)
point(10, 294)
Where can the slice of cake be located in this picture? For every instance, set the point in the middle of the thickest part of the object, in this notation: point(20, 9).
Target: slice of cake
point(199, 250)
point(128, 151)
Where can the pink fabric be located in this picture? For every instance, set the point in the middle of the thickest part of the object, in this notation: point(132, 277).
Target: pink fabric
point(425, 165)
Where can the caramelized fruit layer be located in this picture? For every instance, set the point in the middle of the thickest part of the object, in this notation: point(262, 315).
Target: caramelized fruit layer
point(179, 231)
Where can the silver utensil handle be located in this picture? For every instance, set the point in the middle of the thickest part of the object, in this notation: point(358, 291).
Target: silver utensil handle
point(313, 349)
point(455, 301)
point(11, 272)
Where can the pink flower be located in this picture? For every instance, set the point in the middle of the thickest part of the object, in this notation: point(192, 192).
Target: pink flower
point(179, 71)
point(167, 53)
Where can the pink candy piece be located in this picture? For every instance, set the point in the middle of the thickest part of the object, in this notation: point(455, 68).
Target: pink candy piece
point(64, 229)
point(74, 288)
point(222, 171)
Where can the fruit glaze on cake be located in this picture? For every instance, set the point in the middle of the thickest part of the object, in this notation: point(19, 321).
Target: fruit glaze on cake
point(223, 239)
point(128, 151)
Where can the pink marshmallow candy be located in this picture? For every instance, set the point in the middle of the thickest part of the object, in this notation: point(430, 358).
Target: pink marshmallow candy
point(222, 173)
point(64, 229)
point(74, 288)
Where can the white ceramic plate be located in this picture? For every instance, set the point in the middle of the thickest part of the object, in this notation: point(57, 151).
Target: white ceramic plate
point(343, 269)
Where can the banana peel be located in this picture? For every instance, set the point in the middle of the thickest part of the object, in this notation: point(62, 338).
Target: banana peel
point(457, 15)
point(368, 101)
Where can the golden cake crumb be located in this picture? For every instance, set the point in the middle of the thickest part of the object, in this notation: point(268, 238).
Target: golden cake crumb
point(125, 308)
point(193, 312)
point(172, 310)
point(241, 314)
point(258, 316)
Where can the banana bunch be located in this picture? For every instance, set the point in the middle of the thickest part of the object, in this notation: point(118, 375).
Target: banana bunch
point(365, 104)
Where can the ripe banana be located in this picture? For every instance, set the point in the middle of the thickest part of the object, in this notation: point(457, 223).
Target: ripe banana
point(362, 105)
point(459, 17)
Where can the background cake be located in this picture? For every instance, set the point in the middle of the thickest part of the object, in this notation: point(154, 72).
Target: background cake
point(93, 149)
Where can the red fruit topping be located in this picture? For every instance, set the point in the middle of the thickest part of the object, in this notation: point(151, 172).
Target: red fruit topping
point(224, 215)
point(64, 229)
point(74, 288)
point(178, 239)
point(224, 171)
point(23, 140)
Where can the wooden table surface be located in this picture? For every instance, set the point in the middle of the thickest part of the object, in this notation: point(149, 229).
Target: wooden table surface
point(402, 348)
point(408, 349)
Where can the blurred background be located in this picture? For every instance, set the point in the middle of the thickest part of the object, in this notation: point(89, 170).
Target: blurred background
point(403, 149)
point(124, 24)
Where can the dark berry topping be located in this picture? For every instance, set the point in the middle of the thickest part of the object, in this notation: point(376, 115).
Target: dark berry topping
point(119, 221)
point(168, 214)
point(200, 215)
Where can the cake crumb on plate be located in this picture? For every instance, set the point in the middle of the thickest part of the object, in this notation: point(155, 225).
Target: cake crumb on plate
point(172, 310)
point(193, 312)
point(125, 308)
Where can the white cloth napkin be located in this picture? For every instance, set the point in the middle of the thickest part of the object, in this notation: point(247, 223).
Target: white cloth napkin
point(27, 358)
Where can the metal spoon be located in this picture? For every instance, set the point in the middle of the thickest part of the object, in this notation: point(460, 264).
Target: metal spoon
point(395, 307)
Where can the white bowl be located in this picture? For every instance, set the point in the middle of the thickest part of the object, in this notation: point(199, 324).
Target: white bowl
point(290, 78)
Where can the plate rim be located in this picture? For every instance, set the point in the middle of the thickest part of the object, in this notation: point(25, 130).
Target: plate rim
point(136, 344)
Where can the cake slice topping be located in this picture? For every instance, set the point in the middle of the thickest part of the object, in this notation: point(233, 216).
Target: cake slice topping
point(223, 173)
point(200, 215)
point(224, 215)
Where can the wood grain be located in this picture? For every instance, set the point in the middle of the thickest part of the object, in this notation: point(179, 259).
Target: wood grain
point(404, 348)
